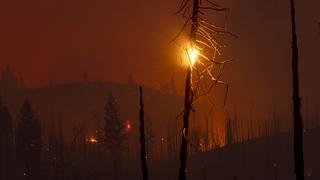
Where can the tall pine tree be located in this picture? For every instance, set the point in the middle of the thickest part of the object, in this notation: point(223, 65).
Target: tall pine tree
point(114, 126)
point(29, 141)
point(6, 143)
point(114, 133)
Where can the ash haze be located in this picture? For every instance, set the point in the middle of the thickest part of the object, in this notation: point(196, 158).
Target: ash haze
point(110, 39)
point(106, 41)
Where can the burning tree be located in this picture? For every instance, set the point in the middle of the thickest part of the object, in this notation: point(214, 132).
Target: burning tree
point(204, 71)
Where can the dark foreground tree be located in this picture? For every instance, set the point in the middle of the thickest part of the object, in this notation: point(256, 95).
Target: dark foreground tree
point(297, 119)
point(188, 98)
point(143, 154)
point(204, 71)
point(6, 143)
point(29, 142)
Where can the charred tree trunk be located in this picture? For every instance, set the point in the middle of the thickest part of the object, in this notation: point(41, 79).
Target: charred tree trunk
point(298, 125)
point(143, 154)
point(184, 142)
point(188, 98)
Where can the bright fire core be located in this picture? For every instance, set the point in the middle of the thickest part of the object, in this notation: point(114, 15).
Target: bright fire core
point(192, 55)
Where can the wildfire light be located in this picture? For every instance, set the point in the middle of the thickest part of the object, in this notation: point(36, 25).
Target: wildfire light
point(192, 55)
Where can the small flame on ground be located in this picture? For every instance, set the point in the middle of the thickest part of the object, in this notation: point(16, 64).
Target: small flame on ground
point(128, 126)
point(92, 140)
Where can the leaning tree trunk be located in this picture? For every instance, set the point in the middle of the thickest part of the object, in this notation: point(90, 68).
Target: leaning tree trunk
point(298, 125)
point(143, 154)
point(188, 98)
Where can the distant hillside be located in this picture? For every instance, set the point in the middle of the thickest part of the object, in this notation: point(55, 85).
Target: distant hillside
point(268, 158)
point(78, 103)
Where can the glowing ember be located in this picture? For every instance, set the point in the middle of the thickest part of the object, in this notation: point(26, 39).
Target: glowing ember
point(128, 125)
point(92, 140)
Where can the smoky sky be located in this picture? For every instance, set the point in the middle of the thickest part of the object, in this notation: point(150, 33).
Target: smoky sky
point(110, 39)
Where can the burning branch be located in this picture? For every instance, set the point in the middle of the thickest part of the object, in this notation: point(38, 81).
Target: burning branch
point(201, 53)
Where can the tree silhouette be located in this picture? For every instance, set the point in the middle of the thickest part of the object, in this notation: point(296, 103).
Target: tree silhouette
point(29, 141)
point(204, 71)
point(113, 125)
point(297, 119)
point(143, 153)
point(6, 143)
point(114, 132)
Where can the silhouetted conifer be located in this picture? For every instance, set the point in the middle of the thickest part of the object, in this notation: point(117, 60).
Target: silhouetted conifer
point(29, 141)
point(114, 133)
point(6, 143)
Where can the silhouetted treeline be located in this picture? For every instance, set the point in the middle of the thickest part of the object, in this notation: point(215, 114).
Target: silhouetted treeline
point(93, 154)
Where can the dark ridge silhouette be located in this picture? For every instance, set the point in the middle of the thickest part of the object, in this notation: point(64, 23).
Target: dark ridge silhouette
point(263, 158)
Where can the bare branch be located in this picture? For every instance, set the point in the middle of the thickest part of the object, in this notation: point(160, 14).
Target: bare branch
point(213, 8)
point(223, 62)
point(213, 4)
point(211, 25)
point(181, 30)
point(183, 4)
